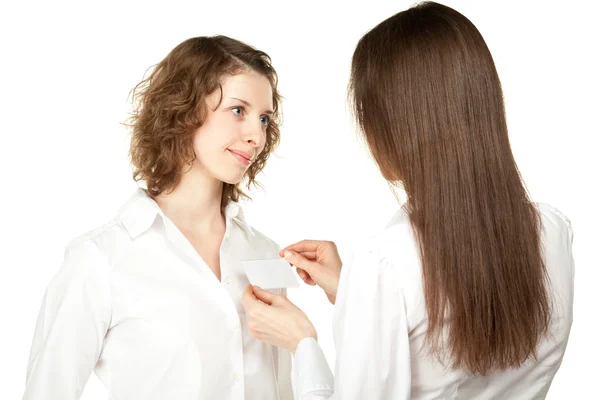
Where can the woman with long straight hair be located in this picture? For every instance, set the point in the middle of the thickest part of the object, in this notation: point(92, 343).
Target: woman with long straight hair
point(468, 292)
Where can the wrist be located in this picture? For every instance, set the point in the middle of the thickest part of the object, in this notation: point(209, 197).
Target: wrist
point(308, 332)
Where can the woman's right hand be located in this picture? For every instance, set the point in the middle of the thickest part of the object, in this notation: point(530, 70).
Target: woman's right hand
point(317, 262)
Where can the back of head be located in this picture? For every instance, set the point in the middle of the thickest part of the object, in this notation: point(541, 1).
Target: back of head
point(428, 100)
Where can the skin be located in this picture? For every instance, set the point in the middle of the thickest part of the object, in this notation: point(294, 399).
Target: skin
point(238, 123)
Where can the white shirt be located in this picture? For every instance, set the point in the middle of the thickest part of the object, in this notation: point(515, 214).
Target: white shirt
point(380, 323)
point(136, 303)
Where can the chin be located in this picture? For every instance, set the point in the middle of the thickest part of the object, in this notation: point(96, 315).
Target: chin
point(232, 179)
point(231, 174)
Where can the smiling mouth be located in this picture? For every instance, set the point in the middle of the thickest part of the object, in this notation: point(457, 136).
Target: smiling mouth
point(241, 157)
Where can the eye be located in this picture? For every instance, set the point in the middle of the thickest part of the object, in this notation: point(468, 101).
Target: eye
point(265, 120)
point(239, 111)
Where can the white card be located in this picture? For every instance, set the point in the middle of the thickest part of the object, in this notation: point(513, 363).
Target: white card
point(271, 273)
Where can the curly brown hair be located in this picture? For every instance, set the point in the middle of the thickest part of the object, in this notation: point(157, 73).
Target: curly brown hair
point(170, 105)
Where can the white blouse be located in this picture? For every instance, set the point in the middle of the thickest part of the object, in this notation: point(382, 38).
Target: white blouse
point(380, 323)
point(136, 303)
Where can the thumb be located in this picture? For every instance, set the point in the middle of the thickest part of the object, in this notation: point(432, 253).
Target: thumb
point(248, 298)
point(264, 295)
point(298, 260)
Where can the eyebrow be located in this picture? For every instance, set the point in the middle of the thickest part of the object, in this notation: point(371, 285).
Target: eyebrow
point(270, 112)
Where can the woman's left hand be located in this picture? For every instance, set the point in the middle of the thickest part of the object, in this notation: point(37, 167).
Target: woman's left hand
point(274, 319)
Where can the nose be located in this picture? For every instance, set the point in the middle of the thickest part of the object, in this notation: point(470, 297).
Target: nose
point(254, 134)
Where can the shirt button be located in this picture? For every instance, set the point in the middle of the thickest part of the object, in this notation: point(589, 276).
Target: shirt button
point(236, 377)
point(227, 280)
point(227, 236)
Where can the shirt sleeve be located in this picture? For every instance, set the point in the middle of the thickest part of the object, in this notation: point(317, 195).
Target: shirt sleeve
point(70, 329)
point(371, 339)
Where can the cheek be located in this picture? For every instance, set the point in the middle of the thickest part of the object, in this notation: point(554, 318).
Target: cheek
point(263, 144)
point(210, 138)
point(201, 140)
point(260, 150)
point(205, 146)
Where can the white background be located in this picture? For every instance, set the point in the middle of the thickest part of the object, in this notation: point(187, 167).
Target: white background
point(67, 69)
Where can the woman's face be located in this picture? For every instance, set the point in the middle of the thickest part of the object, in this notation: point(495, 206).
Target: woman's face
point(234, 133)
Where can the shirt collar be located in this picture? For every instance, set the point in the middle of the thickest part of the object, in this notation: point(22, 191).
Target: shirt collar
point(140, 211)
point(234, 212)
point(400, 217)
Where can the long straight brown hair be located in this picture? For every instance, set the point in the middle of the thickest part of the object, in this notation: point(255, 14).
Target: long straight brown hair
point(428, 100)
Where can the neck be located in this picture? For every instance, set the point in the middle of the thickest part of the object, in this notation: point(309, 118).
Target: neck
point(195, 203)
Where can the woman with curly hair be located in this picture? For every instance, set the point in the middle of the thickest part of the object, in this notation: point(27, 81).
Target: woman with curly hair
point(151, 301)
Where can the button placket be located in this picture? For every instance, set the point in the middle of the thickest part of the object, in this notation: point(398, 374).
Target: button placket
point(226, 279)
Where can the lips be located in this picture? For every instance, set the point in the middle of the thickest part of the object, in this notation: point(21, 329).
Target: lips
point(243, 157)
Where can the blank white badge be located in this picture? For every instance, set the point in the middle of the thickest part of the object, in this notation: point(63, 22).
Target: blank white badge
point(271, 273)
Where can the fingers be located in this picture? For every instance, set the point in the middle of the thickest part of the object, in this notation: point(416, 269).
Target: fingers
point(265, 296)
point(299, 261)
point(310, 255)
point(249, 300)
point(304, 245)
point(254, 297)
point(305, 277)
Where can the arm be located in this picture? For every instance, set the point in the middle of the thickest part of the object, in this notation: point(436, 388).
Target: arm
point(70, 329)
point(372, 345)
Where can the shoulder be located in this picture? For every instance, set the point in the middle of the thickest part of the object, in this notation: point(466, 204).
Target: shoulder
point(388, 258)
point(84, 268)
point(556, 236)
point(388, 261)
point(553, 216)
point(395, 246)
point(96, 233)
point(556, 230)
point(92, 248)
